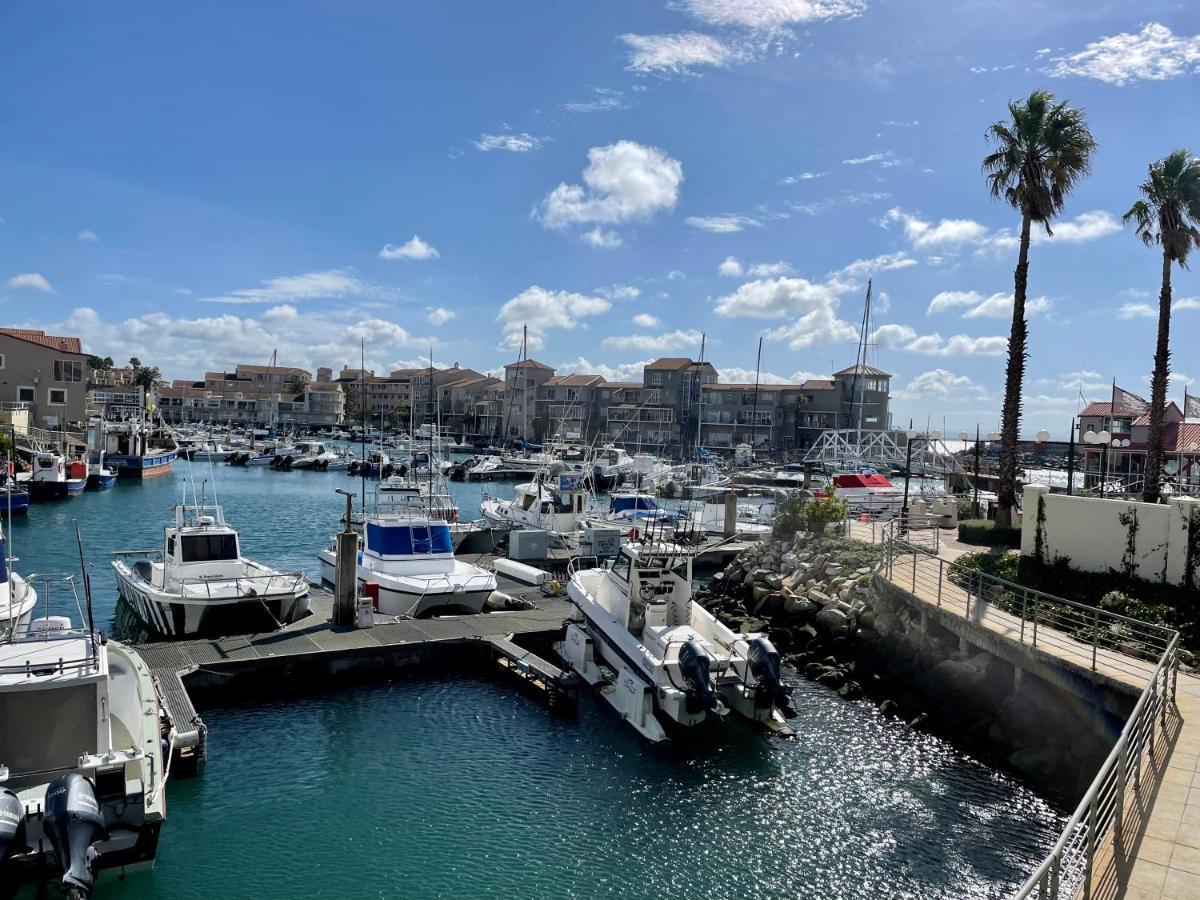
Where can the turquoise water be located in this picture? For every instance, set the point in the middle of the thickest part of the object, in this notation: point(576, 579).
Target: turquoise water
point(465, 788)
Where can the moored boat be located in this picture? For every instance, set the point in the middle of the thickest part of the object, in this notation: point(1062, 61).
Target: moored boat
point(54, 477)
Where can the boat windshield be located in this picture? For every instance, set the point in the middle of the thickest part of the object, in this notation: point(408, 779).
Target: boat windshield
point(209, 547)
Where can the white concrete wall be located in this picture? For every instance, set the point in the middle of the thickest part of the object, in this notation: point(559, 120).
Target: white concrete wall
point(1091, 534)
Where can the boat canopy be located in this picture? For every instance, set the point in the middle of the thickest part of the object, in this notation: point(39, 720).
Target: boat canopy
point(861, 481)
point(408, 540)
point(631, 502)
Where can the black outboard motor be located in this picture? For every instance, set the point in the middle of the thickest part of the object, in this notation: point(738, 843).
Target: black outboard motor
point(73, 823)
point(694, 666)
point(764, 664)
point(12, 825)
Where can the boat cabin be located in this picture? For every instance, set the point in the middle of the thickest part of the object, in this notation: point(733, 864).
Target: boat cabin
point(649, 586)
point(408, 538)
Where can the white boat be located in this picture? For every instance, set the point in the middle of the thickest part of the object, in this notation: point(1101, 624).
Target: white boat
point(409, 554)
point(555, 501)
point(752, 516)
point(208, 451)
point(81, 757)
point(200, 584)
point(17, 598)
point(648, 472)
point(662, 661)
point(609, 467)
point(310, 455)
point(867, 492)
point(639, 514)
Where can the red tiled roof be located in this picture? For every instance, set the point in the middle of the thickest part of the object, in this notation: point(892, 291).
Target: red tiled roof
point(1171, 414)
point(1099, 408)
point(572, 380)
point(819, 384)
point(1181, 437)
point(529, 364)
point(39, 337)
point(670, 362)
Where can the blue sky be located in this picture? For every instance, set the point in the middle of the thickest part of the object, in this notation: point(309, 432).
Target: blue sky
point(199, 185)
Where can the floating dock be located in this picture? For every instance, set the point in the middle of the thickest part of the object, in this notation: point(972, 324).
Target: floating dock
point(312, 653)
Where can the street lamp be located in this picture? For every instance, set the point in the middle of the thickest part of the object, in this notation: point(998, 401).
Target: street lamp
point(1103, 438)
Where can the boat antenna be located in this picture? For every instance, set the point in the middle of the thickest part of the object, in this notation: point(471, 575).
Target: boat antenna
point(362, 392)
point(754, 408)
point(86, 577)
point(700, 398)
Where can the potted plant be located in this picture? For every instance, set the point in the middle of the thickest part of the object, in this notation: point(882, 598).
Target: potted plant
point(821, 510)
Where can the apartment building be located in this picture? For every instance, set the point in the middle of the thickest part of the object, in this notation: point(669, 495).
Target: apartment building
point(45, 373)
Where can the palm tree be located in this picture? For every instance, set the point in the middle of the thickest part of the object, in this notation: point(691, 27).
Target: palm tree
point(1168, 216)
point(1042, 151)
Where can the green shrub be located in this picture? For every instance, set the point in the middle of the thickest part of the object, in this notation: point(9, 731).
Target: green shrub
point(984, 533)
point(789, 518)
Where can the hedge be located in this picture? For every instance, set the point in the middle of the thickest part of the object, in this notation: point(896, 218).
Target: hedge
point(985, 533)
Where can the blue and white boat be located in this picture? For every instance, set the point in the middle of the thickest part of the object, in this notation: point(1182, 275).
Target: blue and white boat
point(132, 447)
point(409, 553)
point(13, 498)
point(17, 598)
point(54, 478)
point(100, 475)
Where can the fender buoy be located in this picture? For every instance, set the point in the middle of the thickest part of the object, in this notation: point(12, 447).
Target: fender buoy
point(633, 534)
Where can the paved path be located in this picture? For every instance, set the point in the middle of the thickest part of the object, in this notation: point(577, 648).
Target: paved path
point(1156, 855)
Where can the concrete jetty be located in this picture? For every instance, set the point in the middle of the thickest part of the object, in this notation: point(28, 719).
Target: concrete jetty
point(312, 653)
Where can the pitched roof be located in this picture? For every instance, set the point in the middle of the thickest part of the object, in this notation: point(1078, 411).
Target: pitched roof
point(1171, 414)
point(620, 385)
point(672, 363)
point(819, 384)
point(529, 364)
point(860, 369)
point(281, 370)
point(39, 337)
point(572, 380)
point(1099, 408)
point(1181, 438)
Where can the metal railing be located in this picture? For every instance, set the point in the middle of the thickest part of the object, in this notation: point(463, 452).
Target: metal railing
point(248, 587)
point(1099, 639)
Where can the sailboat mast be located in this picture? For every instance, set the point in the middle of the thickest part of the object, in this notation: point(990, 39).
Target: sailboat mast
point(524, 375)
point(860, 364)
point(700, 398)
point(754, 413)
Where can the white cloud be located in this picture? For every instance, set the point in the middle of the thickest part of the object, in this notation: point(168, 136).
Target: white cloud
point(885, 158)
point(603, 100)
point(629, 371)
point(599, 237)
point(1137, 310)
point(654, 343)
point(995, 306)
point(645, 320)
point(33, 280)
point(818, 326)
point(942, 385)
point(895, 336)
point(738, 375)
point(623, 182)
point(776, 297)
point(330, 284)
point(772, 14)
point(724, 224)
point(845, 199)
point(676, 275)
point(542, 310)
point(1186, 303)
point(803, 176)
point(412, 249)
point(88, 236)
point(1086, 226)
point(439, 315)
point(730, 267)
point(675, 53)
point(924, 234)
point(1153, 54)
point(770, 270)
point(850, 275)
point(513, 143)
point(618, 292)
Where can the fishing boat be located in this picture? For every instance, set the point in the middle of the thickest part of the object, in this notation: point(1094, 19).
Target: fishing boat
point(408, 552)
point(135, 446)
point(662, 661)
point(610, 467)
point(555, 501)
point(751, 520)
point(54, 478)
point(314, 455)
point(14, 498)
point(200, 584)
point(637, 513)
point(100, 476)
point(81, 756)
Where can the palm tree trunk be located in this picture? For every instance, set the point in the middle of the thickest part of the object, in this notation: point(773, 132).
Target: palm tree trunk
point(1158, 388)
point(1014, 376)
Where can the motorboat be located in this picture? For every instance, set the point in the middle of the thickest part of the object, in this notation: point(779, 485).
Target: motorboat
point(752, 518)
point(14, 498)
point(637, 513)
point(54, 478)
point(375, 464)
point(413, 494)
point(555, 501)
point(82, 776)
point(17, 598)
point(100, 476)
point(496, 468)
point(610, 467)
point(307, 455)
point(210, 451)
point(662, 661)
point(408, 553)
point(866, 492)
point(200, 584)
point(648, 472)
point(136, 447)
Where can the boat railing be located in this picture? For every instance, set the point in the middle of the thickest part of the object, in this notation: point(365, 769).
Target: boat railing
point(57, 666)
point(155, 554)
point(1088, 636)
point(249, 587)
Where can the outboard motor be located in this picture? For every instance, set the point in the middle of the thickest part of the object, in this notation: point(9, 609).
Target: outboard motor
point(694, 663)
point(764, 664)
point(73, 823)
point(12, 824)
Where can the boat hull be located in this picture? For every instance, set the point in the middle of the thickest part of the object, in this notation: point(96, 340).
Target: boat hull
point(175, 617)
point(398, 600)
point(16, 502)
point(56, 490)
point(147, 466)
point(101, 482)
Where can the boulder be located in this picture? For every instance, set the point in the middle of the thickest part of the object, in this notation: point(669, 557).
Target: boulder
point(832, 620)
point(831, 678)
point(798, 606)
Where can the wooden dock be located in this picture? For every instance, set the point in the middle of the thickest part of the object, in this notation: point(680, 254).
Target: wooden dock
point(312, 653)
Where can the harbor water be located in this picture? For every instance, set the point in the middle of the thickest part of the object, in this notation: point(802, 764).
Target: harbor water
point(458, 787)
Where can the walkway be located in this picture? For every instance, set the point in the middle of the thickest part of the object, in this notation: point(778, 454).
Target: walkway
point(1152, 849)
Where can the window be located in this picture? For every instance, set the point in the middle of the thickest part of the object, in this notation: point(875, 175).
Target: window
point(27, 395)
point(69, 370)
point(209, 547)
point(56, 396)
point(622, 566)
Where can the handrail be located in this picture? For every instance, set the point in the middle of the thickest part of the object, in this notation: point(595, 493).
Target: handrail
point(1067, 871)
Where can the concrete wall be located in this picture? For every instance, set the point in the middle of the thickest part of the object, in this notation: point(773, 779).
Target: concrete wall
point(1155, 542)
